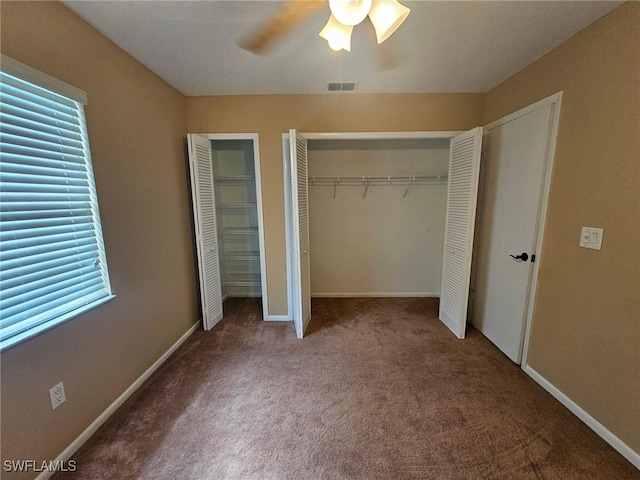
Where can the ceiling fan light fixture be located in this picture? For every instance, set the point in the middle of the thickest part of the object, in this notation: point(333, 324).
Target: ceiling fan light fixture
point(337, 34)
point(387, 16)
point(350, 12)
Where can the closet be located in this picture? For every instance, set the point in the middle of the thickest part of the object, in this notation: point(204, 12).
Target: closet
point(237, 213)
point(414, 239)
point(376, 216)
point(227, 210)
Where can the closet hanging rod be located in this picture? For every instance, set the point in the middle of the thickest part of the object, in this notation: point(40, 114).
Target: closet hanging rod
point(366, 181)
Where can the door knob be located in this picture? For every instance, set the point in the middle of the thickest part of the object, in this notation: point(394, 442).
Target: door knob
point(523, 256)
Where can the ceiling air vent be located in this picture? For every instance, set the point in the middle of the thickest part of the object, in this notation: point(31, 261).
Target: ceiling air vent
point(341, 86)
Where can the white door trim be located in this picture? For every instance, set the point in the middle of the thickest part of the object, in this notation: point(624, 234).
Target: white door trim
point(380, 135)
point(255, 138)
point(288, 225)
point(556, 101)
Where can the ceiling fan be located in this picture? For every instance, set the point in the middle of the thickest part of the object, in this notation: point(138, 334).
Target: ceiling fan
point(385, 15)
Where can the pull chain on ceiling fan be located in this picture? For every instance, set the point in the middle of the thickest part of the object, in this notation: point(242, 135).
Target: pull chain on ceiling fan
point(385, 15)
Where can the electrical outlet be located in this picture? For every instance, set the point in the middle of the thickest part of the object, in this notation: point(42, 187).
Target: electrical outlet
point(57, 396)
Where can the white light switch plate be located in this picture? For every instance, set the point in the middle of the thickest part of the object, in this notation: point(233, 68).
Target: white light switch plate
point(591, 237)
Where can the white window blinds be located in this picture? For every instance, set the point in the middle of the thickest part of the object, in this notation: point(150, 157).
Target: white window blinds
point(52, 258)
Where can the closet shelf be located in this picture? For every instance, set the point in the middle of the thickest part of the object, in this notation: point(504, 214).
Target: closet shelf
point(239, 231)
point(242, 280)
point(227, 207)
point(243, 256)
point(234, 179)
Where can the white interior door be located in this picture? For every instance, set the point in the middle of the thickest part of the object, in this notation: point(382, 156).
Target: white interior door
point(517, 151)
point(204, 212)
point(462, 194)
point(300, 226)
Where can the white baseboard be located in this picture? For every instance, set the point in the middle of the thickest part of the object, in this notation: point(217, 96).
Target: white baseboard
point(607, 436)
point(104, 416)
point(377, 294)
point(277, 318)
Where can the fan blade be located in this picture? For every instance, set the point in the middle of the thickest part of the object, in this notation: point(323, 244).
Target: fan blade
point(290, 14)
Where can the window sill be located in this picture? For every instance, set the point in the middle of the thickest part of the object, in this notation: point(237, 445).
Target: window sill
point(38, 330)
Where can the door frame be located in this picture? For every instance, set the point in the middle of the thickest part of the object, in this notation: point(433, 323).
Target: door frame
point(556, 101)
point(411, 135)
point(255, 138)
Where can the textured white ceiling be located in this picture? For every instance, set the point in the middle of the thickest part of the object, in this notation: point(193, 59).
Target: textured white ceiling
point(444, 46)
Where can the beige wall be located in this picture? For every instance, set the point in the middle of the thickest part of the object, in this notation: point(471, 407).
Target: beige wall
point(384, 243)
point(586, 327)
point(136, 125)
point(272, 115)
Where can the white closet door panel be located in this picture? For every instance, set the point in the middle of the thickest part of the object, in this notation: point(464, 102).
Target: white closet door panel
point(300, 214)
point(204, 211)
point(464, 168)
point(303, 215)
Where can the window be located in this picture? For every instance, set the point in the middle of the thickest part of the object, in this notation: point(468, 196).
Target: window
point(52, 257)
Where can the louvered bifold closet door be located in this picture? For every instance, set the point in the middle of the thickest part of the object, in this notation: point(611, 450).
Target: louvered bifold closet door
point(204, 211)
point(464, 169)
point(300, 213)
point(52, 259)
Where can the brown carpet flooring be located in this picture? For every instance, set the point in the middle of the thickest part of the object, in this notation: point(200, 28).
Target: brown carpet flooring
point(379, 390)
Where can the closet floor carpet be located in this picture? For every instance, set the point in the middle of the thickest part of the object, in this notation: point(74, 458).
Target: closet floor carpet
point(379, 389)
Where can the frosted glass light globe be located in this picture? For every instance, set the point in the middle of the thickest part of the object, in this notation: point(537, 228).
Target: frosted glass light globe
point(350, 12)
